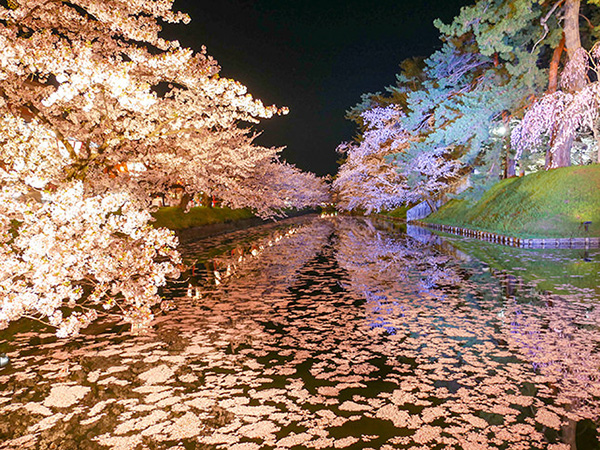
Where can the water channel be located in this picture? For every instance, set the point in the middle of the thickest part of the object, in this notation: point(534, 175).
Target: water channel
point(326, 333)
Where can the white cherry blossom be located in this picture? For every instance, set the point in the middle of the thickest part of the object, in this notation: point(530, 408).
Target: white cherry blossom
point(88, 92)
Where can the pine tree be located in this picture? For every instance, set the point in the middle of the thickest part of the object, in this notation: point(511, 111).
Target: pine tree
point(497, 58)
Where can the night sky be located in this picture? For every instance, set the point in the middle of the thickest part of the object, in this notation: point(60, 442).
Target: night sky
point(316, 57)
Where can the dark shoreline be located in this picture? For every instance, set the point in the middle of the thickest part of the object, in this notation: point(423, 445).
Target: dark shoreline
point(213, 229)
point(193, 233)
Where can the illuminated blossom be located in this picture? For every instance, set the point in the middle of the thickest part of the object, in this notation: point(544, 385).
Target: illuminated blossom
point(376, 175)
point(97, 114)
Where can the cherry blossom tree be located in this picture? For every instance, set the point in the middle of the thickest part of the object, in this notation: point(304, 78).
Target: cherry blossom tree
point(368, 180)
point(97, 112)
point(460, 103)
point(381, 173)
point(558, 117)
point(273, 187)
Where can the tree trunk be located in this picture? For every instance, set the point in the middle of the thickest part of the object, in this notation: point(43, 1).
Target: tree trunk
point(572, 39)
point(431, 203)
point(206, 200)
point(569, 434)
point(509, 167)
point(552, 87)
point(561, 155)
point(597, 138)
point(553, 73)
point(569, 429)
point(185, 199)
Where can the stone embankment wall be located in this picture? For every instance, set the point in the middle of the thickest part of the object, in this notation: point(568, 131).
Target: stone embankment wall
point(587, 242)
point(421, 211)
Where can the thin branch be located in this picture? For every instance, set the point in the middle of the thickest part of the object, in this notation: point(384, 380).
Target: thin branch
point(38, 320)
point(587, 20)
point(545, 25)
point(38, 114)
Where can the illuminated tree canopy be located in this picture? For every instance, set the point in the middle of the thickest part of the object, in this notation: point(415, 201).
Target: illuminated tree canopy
point(496, 73)
point(98, 113)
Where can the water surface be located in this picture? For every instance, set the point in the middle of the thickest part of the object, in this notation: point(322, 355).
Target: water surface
point(322, 333)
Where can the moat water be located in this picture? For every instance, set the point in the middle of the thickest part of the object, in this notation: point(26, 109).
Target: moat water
point(326, 333)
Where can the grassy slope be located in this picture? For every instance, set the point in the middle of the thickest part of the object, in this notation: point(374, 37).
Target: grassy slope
point(176, 219)
point(543, 204)
point(398, 213)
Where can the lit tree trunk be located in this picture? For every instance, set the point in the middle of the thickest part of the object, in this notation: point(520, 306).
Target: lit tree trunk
point(597, 138)
point(431, 203)
point(509, 167)
point(569, 434)
point(569, 428)
point(509, 160)
point(185, 199)
point(561, 156)
point(552, 87)
point(553, 73)
point(572, 39)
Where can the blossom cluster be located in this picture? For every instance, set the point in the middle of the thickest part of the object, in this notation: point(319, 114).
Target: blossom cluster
point(376, 174)
point(75, 251)
point(89, 90)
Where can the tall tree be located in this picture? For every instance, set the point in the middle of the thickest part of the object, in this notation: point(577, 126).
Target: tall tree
point(97, 113)
point(556, 119)
point(497, 57)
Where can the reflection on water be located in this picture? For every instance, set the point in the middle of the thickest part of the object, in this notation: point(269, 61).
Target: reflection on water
point(328, 333)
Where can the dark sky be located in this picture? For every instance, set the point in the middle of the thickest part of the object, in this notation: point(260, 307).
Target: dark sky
point(316, 57)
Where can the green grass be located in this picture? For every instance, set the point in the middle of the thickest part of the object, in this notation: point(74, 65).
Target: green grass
point(398, 213)
point(545, 204)
point(175, 219)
